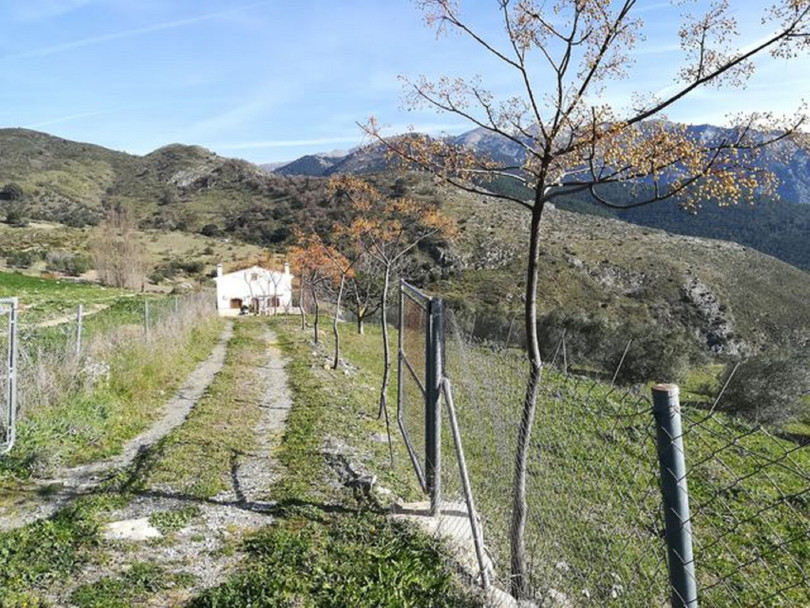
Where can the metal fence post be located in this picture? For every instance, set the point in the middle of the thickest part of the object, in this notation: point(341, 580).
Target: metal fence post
point(79, 314)
point(146, 320)
point(400, 343)
point(433, 379)
point(669, 435)
point(11, 370)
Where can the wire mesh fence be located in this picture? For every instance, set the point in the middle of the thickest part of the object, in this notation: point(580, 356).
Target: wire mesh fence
point(8, 373)
point(594, 529)
point(750, 494)
point(597, 532)
point(72, 352)
point(412, 377)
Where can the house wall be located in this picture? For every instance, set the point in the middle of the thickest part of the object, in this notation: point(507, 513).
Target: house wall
point(254, 282)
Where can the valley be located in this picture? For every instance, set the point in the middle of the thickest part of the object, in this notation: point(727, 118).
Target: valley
point(260, 501)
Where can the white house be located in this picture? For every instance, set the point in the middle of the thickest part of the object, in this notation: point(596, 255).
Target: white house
point(262, 291)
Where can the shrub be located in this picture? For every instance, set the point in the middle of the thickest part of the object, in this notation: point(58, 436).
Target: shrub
point(11, 192)
point(192, 267)
point(15, 214)
point(657, 353)
point(21, 259)
point(770, 388)
point(67, 263)
point(211, 230)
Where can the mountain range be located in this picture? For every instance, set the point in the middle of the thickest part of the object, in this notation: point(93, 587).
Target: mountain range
point(728, 295)
point(780, 228)
point(790, 163)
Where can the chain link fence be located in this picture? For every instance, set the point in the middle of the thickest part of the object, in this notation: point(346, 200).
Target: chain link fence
point(8, 373)
point(71, 353)
point(599, 532)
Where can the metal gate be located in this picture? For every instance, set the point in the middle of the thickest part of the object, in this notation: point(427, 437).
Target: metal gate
point(421, 384)
point(419, 377)
point(8, 372)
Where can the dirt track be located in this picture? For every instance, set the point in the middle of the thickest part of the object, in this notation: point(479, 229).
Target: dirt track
point(34, 504)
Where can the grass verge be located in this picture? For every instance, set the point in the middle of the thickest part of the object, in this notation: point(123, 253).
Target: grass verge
point(94, 424)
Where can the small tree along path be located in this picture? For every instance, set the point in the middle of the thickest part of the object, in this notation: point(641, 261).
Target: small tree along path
point(38, 504)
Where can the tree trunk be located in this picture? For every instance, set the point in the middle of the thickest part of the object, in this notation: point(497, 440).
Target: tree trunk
point(317, 312)
point(386, 345)
point(301, 306)
point(520, 587)
point(335, 322)
point(361, 328)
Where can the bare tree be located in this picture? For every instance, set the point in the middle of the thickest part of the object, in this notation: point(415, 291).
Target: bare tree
point(387, 230)
point(365, 292)
point(315, 269)
point(564, 56)
point(118, 255)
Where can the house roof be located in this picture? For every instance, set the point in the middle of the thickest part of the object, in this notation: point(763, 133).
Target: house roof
point(264, 272)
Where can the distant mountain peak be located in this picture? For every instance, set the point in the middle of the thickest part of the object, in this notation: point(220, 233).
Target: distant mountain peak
point(788, 162)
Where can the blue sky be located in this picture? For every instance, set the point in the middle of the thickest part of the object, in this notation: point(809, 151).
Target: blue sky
point(273, 80)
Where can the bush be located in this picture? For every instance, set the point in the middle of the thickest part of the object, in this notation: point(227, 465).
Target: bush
point(70, 264)
point(11, 192)
point(770, 388)
point(211, 230)
point(21, 259)
point(192, 267)
point(657, 353)
point(15, 215)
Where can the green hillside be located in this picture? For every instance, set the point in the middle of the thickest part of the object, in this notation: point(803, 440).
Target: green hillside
point(176, 187)
point(730, 298)
point(725, 297)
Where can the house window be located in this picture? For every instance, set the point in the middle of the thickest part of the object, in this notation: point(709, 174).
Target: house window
point(254, 276)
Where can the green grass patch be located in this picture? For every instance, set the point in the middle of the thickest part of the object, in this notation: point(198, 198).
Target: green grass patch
point(168, 522)
point(41, 299)
point(87, 426)
point(313, 559)
point(198, 458)
point(48, 550)
point(341, 405)
point(136, 584)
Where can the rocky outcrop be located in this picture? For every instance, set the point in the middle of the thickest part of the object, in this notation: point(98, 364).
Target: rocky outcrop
point(718, 323)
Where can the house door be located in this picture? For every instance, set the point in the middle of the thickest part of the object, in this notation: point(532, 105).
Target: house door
point(236, 303)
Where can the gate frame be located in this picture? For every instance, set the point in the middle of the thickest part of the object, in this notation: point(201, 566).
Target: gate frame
point(10, 306)
point(430, 477)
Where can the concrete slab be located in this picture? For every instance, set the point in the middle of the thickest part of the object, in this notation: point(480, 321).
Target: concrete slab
point(131, 529)
point(452, 525)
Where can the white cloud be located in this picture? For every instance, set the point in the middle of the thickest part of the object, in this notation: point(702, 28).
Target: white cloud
point(64, 119)
point(57, 49)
